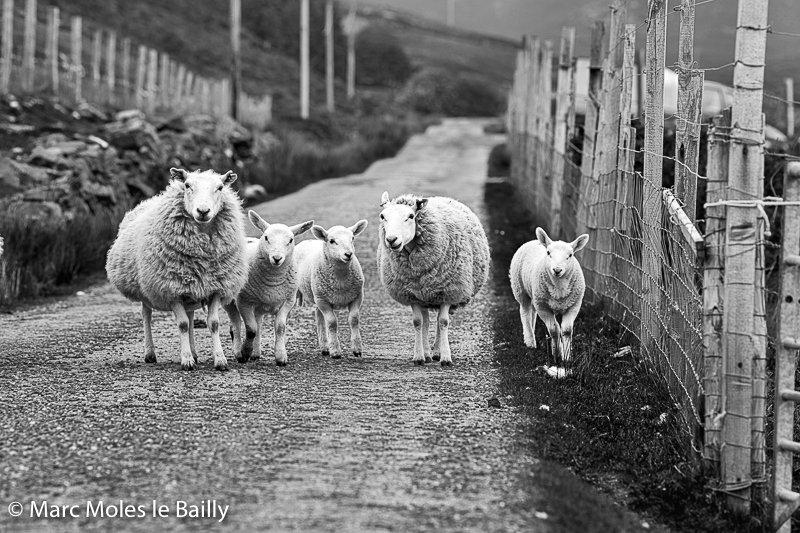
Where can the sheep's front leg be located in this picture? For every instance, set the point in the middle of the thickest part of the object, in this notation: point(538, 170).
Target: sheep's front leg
point(437, 344)
point(417, 319)
point(567, 327)
point(250, 330)
point(354, 318)
point(220, 362)
point(256, 355)
point(331, 328)
point(321, 337)
point(281, 357)
point(528, 318)
point(149, 347)
point(236, 330)
point(187, 359)
point(444, 342)
point(190, 315)
point(553, 329)
point(426, 341)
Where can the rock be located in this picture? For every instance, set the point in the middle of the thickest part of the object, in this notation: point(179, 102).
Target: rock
point(98, 141)
point(48, 157)
point(254, 192)
point(88, 111)
point(129, 114)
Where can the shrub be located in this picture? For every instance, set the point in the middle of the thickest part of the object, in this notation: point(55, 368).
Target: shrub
point(438, 91)
point(381, 60)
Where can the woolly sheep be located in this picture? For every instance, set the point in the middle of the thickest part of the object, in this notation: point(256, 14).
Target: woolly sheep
point(547, 281)
point(331, 278)
point(432, 252)
point(180, 250)
point(270, 288)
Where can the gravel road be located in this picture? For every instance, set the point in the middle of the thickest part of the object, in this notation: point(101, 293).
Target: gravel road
point(369, 444)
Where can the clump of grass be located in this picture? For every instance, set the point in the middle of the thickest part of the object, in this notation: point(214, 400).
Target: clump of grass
point(612, 421)
point(42, 254)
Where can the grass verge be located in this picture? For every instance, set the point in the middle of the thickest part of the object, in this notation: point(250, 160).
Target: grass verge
point(612, 421)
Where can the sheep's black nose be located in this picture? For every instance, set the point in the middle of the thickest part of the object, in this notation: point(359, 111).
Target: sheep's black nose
point(391, 240)
point(348, 254)
point(203, 212)
point(557, 271)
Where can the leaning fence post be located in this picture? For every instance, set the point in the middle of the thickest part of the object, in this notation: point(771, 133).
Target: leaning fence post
point(126, 71)
point(97, 53)
point(76, 46)
point(561, 132)
point(8, 45)
point(111, 67)
point(651, 197)
point(152, 74)
point(141, 77)
point(51, 47)
point(714, 287)
point(29, 49)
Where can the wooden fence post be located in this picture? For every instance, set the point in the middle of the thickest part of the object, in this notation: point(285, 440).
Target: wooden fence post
point(163, 80)
point(561, 132)
point(8, 45)
point(746, 181)
point(713, 286)
point(111, 66)
point(331, 104)
point(76, 47)
point(351, 51)
point(651, 200)
point(626, 141)
point(236, 57)
point(789, 83)
point(97, 54)
point(530, 121)
point(51, 47)
point(141, 77)
point(126, 72)
point(152, 76)
point(786, 397)
point(29, 46)
point(305, 74)
point(542, 182)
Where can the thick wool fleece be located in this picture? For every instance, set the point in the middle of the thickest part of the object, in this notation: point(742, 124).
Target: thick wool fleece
point(530, 279)
point(449, 262)
point(162, 255)
point(268, 286)
point(334, 282)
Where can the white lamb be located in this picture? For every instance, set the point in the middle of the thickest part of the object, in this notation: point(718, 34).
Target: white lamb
point(270, 289)
point(432, 252)
point(547, 281)
point(180, 250)
point(331, 278)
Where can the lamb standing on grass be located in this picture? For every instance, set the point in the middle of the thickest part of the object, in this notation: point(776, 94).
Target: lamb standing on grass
point(270, 288)
point(432, 252)
point(180, 250)
point(547, 281)
point(331, 278)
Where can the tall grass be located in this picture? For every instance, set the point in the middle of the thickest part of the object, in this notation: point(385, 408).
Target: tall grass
point(42, 254)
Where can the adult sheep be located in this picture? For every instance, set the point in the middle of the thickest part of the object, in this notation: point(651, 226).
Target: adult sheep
point(432, 253)
point(180, 250)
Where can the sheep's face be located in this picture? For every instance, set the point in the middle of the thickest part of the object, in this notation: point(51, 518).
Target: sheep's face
point(398, 222)
point(277, 240)
point(339, 240)
point(203, 192)
point(560, 259)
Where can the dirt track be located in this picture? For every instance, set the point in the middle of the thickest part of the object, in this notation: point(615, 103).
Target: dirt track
point(370, 444)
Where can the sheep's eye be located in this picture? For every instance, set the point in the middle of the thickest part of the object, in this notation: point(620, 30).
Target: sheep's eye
point(548, 252)
point(410, 216)
point(291, 241)
point(265, 238)
point(333, 242)
point(570, 256)
point(382, 217)
point(219, 188)
point(188, 187)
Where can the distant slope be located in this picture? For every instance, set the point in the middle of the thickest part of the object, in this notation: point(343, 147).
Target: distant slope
point(432, 44)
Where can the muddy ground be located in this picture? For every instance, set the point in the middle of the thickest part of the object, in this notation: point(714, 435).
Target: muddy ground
point(369, 444)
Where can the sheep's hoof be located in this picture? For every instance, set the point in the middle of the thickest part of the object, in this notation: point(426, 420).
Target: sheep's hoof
point(150, 358)
point(222, 367)
point(241, 358)
point(255, 357)
point(436, 357)
point(325, 351)
point(447, 363)
point(336, 356)
point(280, 363)
point(428, 359)
point(188, 365)
point(194, 356)
point(419, 362)
point(357, 354)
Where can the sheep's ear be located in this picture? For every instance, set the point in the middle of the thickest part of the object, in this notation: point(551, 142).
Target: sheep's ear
point(178, 174)
point(384, 198)
point(319, 233)
point(543, 238)
point(358, 227)
point(257, 221)
point(302, 228)
point(421, 202)
point(229, 177)
point(580, 242)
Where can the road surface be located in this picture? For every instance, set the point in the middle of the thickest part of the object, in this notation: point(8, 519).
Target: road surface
point(369, 444)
